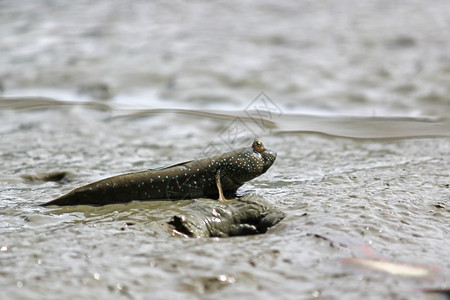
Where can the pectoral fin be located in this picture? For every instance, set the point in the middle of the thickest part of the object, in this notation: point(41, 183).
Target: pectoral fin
point(219, 187)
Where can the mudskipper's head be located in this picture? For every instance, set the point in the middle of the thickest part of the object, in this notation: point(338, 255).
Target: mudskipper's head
point(268, 156)
point(244, 164)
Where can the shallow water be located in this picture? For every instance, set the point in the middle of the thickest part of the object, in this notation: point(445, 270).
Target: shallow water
point(366, 196)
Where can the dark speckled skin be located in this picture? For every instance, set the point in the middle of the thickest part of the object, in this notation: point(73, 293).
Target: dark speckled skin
point(192, 179)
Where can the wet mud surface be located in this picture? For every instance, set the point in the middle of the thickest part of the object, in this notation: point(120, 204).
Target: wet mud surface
point(362, 218)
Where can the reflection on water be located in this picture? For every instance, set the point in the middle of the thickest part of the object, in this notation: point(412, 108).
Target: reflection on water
point(342, 126)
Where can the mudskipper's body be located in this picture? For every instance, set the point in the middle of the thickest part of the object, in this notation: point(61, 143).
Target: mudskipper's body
point(207, 177)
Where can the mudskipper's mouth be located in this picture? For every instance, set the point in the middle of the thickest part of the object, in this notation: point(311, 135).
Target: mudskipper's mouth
point(270, 155)
point(269, 159)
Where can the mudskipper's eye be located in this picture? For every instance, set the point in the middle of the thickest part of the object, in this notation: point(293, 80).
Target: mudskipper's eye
point(258, 146)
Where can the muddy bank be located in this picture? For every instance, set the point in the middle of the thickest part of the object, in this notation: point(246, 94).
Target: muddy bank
point(391, 194)
point(198, 218)
point(248, 215)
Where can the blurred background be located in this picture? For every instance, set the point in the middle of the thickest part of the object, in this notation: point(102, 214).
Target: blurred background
point(370, 58)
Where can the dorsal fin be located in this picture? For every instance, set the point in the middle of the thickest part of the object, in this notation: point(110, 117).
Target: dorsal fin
point(170, 166)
